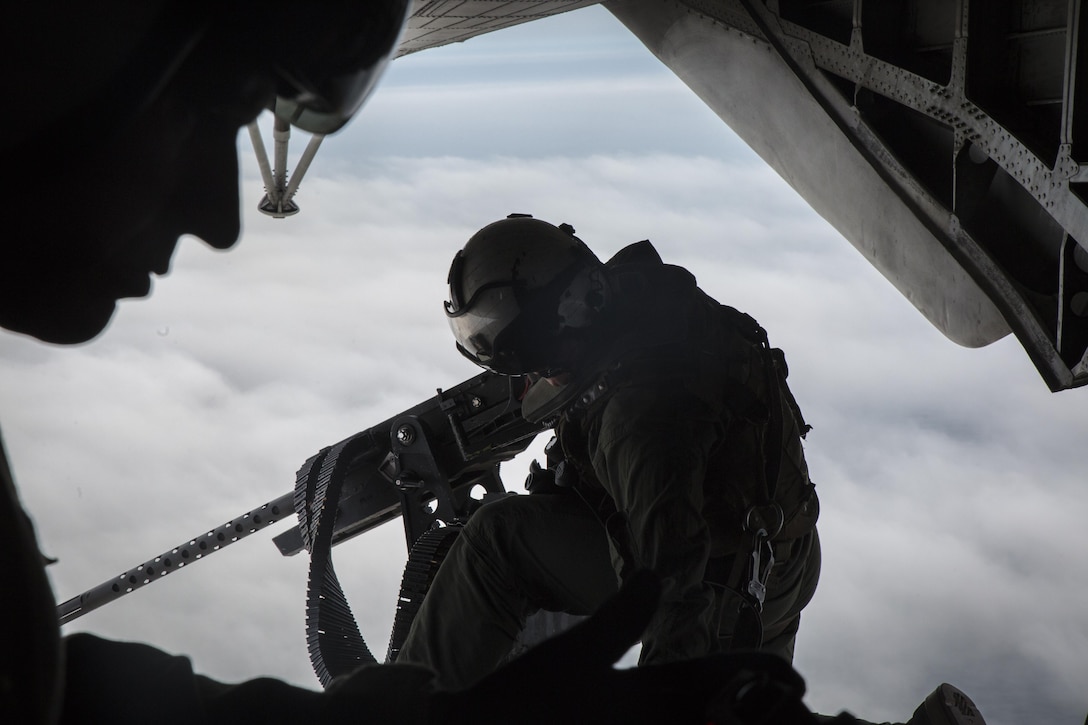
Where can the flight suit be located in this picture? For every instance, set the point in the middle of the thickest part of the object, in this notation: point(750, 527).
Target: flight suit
point(666, 455)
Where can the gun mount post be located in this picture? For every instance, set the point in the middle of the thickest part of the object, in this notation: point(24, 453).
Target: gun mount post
point(424, 491)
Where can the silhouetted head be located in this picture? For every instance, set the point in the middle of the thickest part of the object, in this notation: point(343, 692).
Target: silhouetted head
point(526, 296)
point(122, 127)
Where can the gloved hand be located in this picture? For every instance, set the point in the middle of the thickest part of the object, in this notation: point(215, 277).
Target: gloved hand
point(570, 679)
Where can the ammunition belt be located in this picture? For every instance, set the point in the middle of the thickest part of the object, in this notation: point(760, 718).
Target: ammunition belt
point(426, 557)
point(333, 639)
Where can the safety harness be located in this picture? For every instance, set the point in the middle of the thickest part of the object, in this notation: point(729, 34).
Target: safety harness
point(764, 518)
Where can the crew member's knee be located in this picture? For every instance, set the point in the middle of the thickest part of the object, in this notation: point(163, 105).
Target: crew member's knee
point(493, 526)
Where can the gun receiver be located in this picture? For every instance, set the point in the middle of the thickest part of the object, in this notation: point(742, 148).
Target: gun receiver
point(425, 463)
point(422, 464)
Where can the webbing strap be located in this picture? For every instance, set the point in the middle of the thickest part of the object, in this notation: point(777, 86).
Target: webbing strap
point(772, 442)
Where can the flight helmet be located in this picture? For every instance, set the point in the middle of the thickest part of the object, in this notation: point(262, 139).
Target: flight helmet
point(523, 295)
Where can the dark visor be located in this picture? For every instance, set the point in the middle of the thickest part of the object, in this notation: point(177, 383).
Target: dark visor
point(321, 97)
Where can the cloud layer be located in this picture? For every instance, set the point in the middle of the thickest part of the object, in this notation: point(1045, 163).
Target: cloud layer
point(952, 481)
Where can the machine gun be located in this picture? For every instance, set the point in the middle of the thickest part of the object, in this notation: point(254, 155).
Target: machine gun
point(426, 465)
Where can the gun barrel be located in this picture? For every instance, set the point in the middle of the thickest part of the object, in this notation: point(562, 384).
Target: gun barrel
point(185, 553)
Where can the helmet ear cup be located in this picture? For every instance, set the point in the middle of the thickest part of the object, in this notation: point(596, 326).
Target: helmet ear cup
point(583, 299)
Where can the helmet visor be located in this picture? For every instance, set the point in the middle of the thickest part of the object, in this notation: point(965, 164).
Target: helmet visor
point(325, 107)
point(345, 48)
point(479, 326)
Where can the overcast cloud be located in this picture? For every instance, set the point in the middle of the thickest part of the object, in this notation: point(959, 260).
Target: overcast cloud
point(952, 481)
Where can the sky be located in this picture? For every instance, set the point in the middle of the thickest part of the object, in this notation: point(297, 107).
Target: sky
point(952, 481)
